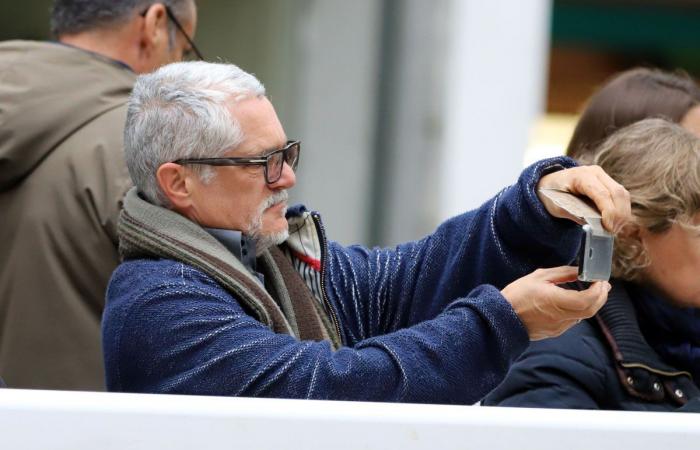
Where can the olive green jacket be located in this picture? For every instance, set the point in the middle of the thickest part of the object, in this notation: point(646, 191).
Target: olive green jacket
point(62, 178)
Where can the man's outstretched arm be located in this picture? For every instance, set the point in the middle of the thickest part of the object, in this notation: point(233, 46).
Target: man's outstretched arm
point(380, 290)
point(185, 334)
point(194, 338)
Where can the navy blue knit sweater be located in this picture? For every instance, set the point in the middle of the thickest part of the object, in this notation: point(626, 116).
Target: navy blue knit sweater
point(422, 322)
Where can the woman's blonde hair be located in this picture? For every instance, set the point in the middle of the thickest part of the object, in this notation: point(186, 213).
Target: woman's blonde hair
point(658, 162)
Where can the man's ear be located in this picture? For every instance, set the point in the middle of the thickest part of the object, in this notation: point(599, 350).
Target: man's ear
point(155, 29)
point(174, 181)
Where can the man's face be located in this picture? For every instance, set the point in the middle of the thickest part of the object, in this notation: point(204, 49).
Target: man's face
point(176, 50)
point(238, 198)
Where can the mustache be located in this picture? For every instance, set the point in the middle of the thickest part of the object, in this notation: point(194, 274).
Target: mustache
point(256, 224)
point(277, 197)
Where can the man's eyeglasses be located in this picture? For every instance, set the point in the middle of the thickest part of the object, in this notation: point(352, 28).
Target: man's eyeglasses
point(189, 40)
point(179, 27)
point(273, 161)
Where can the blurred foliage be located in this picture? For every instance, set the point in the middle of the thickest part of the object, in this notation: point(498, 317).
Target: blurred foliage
point(659, 33)
point(26, 19)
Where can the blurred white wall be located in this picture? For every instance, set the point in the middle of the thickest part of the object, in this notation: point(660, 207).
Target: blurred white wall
point(411, 111)
point(335, 111)
point(494, 92)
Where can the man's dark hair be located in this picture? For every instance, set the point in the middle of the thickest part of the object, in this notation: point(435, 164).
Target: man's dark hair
point(76, 16)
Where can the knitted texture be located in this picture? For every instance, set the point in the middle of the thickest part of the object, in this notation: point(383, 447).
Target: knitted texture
point(422, 322)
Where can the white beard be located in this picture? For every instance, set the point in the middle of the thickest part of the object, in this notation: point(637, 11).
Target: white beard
point(265, 241)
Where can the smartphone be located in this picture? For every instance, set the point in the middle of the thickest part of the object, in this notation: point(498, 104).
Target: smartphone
point(595, 255)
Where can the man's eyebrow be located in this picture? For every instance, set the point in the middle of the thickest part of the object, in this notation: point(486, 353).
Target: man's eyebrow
point(256, 151)
point(270, 150)
point(250, 152)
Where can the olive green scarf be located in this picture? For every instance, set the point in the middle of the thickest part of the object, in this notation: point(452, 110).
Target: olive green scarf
point(286, 305)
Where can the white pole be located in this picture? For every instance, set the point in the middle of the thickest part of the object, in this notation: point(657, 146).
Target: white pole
point(495, 89)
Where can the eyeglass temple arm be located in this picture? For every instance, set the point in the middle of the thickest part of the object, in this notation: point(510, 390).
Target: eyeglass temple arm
point(194, 48)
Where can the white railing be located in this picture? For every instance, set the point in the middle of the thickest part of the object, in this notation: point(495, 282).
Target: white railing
point(90, 421)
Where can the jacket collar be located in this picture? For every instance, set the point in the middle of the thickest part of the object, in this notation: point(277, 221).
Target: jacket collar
point(618, 321)
point(641, 371)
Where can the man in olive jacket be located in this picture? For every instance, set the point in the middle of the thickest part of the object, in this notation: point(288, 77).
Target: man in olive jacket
point(62, 178)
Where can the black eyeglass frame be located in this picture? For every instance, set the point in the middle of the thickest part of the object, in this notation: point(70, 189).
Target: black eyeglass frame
point(189, 40)
point(179, 27)
point(263, 160)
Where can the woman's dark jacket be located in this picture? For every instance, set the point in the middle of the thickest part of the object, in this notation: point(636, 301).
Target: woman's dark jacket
point(602, 363)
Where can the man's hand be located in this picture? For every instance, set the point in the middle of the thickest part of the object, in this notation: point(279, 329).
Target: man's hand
point(612, 200)
point(548, 310)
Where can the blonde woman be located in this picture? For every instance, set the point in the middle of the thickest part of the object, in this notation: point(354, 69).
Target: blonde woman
point(642, 350)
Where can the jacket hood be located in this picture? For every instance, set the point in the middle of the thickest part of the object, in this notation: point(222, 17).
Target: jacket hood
point(47, 92)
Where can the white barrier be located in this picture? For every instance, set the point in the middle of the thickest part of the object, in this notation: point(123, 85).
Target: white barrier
point(82, 420)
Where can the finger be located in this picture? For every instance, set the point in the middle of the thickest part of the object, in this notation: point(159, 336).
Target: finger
point(591, 187)
point(593, 308)
point(581, 304)
point(622, 211)
point(598, 303)
point(558, 275)
point(602, 299)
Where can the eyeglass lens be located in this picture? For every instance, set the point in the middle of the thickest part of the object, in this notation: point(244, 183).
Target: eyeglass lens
point(275, 163)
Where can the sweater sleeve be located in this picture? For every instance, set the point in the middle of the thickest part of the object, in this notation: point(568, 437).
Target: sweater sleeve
point(376, 291)
point(187, 335)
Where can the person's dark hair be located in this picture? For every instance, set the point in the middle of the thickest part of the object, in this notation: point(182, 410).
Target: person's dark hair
point(76, 16)
point(627, 98)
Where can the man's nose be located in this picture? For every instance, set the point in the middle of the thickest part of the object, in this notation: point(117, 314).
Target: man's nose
point(287, 180)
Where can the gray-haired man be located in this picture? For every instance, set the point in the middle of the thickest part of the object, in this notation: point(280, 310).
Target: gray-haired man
point(62, 177)
point(192, 310)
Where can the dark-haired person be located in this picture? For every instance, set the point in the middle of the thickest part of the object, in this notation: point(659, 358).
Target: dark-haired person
point(642, 349)
point(62, 176)
point(629, 97)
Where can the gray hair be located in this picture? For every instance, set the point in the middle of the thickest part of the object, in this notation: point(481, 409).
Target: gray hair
point(77, 16)
point(181, 111)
